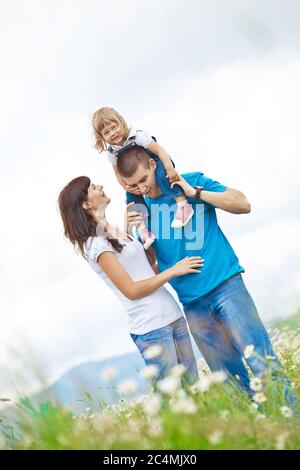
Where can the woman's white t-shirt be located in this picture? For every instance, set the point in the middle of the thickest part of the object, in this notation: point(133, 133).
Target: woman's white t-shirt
point(149, 313)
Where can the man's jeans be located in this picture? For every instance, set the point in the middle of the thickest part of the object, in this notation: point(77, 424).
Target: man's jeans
point(174, 339)
point(225, 321)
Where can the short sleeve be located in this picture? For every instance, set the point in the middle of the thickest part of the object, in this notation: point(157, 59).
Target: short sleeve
point(111, 157)
point(143, 139)
point(95, 247)
point(199, 179)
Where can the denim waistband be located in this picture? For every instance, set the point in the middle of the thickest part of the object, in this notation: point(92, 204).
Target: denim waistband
point(203, 297)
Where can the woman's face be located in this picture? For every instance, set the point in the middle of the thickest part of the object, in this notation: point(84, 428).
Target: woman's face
point(96, 197)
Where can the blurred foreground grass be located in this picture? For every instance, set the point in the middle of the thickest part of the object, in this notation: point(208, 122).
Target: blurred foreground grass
point(210, 415)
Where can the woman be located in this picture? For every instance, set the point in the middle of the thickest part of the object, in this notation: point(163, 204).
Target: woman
point(155, 319)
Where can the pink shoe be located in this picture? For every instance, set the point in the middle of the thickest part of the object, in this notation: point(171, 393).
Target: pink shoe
point(183, 215)
point(147, 238)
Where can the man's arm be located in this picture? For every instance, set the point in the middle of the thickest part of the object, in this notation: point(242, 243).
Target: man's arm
point(230, 200)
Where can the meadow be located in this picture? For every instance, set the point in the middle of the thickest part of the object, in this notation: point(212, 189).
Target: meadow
point(211, 414)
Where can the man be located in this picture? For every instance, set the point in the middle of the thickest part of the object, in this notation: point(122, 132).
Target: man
point(221, 314)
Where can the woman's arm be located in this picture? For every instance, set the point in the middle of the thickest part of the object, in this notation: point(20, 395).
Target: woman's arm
point(137, 289)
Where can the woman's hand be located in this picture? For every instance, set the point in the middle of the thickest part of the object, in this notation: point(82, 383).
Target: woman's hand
point(187, 265)
point(131, 218)
point(189, 191)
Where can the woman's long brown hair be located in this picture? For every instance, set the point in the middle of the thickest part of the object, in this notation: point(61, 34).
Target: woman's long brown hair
point(78, 224)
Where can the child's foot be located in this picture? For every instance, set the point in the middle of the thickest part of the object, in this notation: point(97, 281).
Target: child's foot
point(147, 238)
point(183, 215)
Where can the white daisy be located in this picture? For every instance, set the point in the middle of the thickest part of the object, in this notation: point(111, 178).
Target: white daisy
point(286, 411)
point(153, 351)
point(248, 351)
point(109, 373)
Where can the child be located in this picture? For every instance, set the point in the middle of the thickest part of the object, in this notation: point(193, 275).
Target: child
point(113, 135)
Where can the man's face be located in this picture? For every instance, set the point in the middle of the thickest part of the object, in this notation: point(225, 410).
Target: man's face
point(143, 180)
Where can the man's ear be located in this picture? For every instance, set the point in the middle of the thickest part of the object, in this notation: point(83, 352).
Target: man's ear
point(152, 163)
point(86, 205)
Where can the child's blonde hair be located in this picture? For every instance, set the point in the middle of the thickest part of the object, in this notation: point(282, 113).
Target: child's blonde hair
point(103, 117)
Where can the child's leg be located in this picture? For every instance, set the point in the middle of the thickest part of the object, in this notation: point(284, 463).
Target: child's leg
point(184, 211)
point(140, 206)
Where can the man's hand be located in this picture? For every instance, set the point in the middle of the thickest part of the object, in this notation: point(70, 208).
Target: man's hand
point(172, 175)
point(189, 191)
point(133, 190)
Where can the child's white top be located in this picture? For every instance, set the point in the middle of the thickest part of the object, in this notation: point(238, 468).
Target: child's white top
point(139, 137)
point(154, 311)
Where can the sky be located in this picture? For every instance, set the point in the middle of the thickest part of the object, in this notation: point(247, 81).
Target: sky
point(216, 82)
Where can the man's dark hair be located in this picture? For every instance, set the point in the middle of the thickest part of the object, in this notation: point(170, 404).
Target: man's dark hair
point(129, 160)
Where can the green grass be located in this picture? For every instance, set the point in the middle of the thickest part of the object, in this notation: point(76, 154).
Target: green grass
point(221, 417)
point(292, 322)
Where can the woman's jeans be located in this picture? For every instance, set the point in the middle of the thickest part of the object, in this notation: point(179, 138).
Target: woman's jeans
point(174, 339)
point(225, 321)
point(163, 182)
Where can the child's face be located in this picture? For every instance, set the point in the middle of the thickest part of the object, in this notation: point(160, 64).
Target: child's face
point(113, 133)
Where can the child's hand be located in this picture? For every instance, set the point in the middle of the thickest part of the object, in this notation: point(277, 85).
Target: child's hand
point(172, 175)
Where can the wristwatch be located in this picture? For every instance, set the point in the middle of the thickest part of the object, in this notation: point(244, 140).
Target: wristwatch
point(198, 192)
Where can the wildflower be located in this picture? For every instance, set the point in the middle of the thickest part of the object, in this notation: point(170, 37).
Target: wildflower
point(169, 385)
point(128, 387)
point(184, 405)
point(224, 414)
point(259, 397)
point(280, 441)
point(260, 416)
point(218, 377)
point(296, 357)
point(152, 404)
point(215, 437)
point(153, 351)
point(248, 351)
point(104, 421)
point(177, 370)
point(256, 384)
point(149, 372)
point(109, 373)
point(286, 411)
point(253, 407)
point(155, 427)
point(202, 385)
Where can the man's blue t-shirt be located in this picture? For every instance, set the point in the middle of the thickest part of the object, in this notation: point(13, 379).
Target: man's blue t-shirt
point(202, 236)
